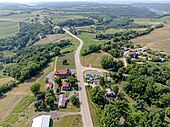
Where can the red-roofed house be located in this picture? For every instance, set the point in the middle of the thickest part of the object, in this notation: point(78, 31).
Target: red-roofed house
point(63, 74)
point(49, 85)
point(65, 86)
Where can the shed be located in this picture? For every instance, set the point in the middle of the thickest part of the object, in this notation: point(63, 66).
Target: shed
point(62, 101)
point(41, 121)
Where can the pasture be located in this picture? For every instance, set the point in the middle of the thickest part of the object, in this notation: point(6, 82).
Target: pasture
point(158, 40)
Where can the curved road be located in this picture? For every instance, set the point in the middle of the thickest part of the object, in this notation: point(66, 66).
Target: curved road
point(85, 111)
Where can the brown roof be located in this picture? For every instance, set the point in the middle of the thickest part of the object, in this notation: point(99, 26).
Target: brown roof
point(61, 72)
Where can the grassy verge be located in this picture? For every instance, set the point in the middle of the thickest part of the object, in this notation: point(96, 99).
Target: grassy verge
point(69, 121)
point(93, 110)
point(25, 102)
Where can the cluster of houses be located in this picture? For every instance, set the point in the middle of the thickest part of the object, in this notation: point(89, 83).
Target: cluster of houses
point(141, 53)
point(93, 78)
point(63, 74)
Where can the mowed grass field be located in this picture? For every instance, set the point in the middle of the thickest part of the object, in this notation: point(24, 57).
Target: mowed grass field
point(93, 59)
point(8, 28)
point(158, 40)
point(69, 121)
point(5, 80)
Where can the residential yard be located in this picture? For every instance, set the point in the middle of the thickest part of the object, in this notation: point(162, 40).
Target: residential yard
point(93, 59)
point(8, 28)
point(70, 108)
point(158, 40)
point(69, 121)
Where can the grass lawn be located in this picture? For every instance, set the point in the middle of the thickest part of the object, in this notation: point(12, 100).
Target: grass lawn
point(70, 61)
point(70, 108)
point(69, 121)
point(93, 59)
point(158, 40)
point(93, 110)
point(25, 102)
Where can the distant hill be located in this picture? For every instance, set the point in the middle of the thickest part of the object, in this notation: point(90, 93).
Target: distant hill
point(111, 10)
point(156, 6)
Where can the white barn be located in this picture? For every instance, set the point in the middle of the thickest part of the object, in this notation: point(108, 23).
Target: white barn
point(41, 121)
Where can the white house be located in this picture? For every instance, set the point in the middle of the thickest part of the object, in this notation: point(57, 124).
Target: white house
point(41, 121)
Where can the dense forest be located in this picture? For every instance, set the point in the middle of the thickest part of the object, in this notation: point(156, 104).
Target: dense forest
point(77, 22)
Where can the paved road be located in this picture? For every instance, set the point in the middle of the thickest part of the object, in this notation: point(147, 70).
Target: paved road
point(85, 111)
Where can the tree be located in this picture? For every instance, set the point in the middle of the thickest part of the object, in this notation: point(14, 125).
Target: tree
point(97, 95)
point(167, 111)
point(49, 100)
point(102, 81)
point(107, 62)
point(35, 88)
point(110, 116)
point(58, 81)
point(72, 80)
point(74, 100)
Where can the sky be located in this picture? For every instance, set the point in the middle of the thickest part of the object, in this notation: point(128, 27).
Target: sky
point(114, 1)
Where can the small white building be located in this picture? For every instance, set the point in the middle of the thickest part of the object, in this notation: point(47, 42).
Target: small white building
point(62, 101)
point(41, 121)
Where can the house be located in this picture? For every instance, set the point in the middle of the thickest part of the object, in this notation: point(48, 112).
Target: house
point(49, 85)
point(96, 82)
point(62, 101)
point(65, 86)
point(63, 74)
point(41, 121)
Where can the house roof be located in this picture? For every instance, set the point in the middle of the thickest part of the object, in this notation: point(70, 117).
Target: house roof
point(66, 84)
point(61, 72)
point(41, 121)
point(49, 85)
point(62, 100)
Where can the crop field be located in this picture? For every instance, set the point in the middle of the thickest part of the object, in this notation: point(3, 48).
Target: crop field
point(8, 28)
point(158, 40)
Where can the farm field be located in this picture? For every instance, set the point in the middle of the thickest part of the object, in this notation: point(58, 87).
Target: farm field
point(8, 28)
point(93, 59)
point(69, 121)
point(158, 40)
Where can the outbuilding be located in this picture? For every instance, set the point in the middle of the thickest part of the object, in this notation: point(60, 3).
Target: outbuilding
point(41, 121)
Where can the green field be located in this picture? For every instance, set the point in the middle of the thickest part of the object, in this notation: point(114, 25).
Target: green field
point(8, 28)
point(58, 19)
point(69, 121)
point(89, 39)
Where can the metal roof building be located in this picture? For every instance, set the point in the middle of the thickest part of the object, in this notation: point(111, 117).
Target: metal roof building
point(41, 121)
